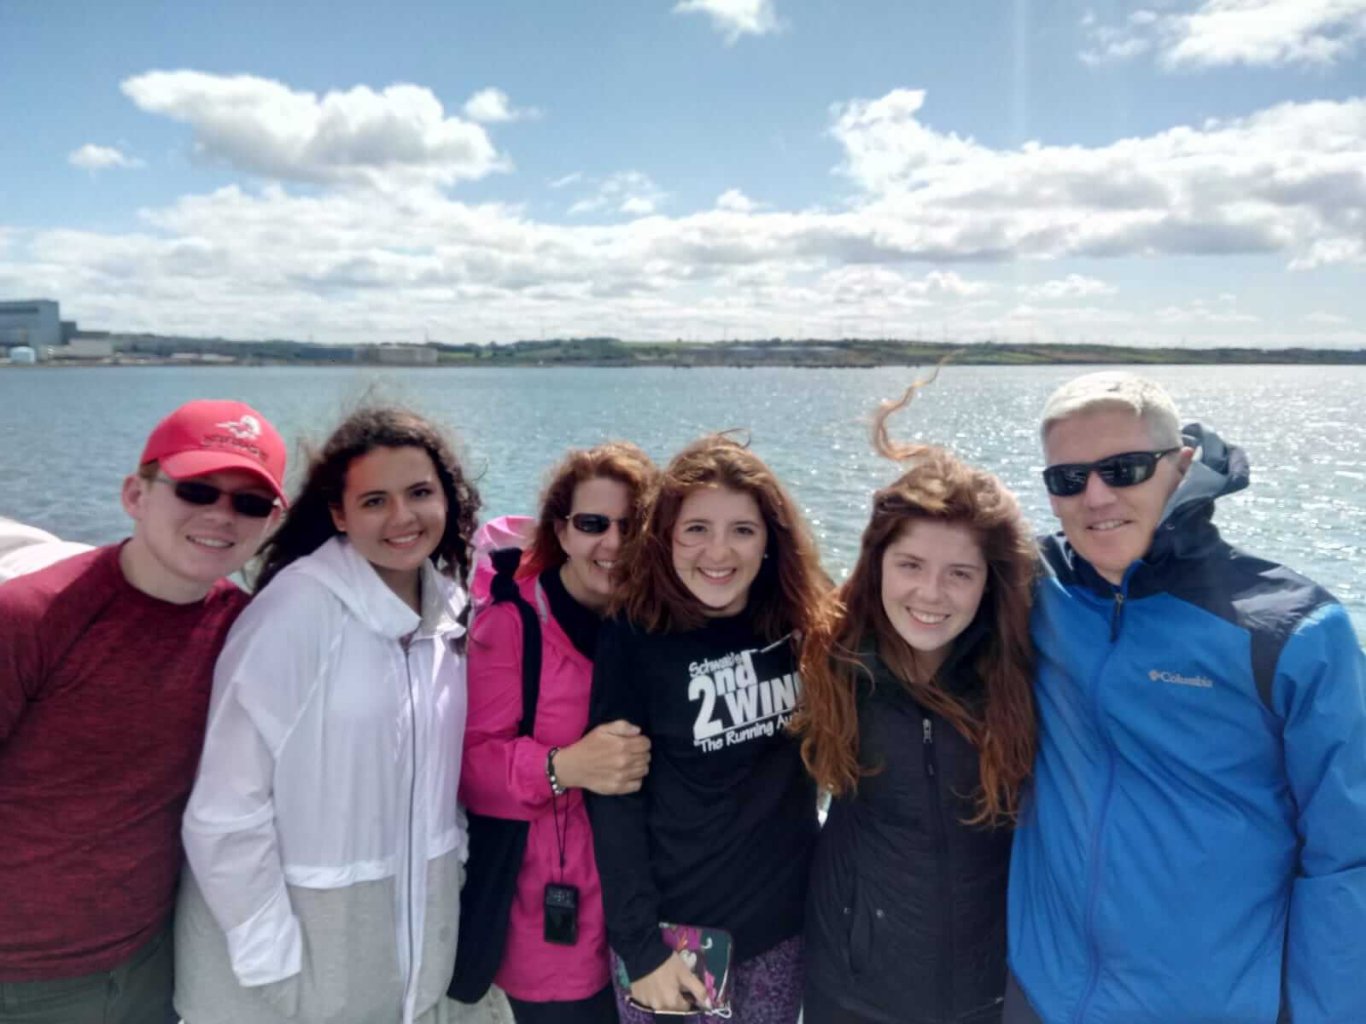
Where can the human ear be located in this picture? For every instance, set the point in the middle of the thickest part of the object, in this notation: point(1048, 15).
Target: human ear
point(338, 517)
point(132, 494)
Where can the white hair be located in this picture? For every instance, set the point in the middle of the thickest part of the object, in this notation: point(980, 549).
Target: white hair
point(1112, 389)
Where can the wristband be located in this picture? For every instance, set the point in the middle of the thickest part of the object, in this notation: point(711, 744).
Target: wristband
point(555, 788)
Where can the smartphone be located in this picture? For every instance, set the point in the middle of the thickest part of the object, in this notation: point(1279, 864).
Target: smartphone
point(692, 1011)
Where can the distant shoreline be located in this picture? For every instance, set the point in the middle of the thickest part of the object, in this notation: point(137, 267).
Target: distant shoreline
point(155, 350)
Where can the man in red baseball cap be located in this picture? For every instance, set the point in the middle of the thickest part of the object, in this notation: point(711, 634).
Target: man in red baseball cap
point(106, 664)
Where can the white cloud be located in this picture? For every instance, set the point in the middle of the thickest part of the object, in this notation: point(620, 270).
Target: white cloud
point(946, 282)
point(734, 200)
point(1216, 33)
point(372, 266)
point(398, 136)
point(735, 18)
point(917, 248)
point(1221, 310)
point(885, 143)
point(1070, 287)
point(91, 157)
point(1290, 179)
point(628, 192)
point(492, 106)
point(1326, 319)
point(637, 206)
point(568, 179)
point(856, 285)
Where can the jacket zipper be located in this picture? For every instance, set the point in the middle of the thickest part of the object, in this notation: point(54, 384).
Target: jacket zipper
point(1093, 874)
point(946, 956)
point(1116, 615)
point(412, 824)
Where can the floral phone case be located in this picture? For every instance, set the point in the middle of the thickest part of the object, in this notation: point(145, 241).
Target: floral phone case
point(707, 952)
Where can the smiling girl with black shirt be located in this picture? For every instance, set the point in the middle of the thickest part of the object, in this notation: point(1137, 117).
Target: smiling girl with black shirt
point(719, 587)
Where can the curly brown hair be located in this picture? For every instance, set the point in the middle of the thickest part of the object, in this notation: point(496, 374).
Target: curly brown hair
point(615, 460)
point(790, 583)
point(308, 523)
point(941, 487)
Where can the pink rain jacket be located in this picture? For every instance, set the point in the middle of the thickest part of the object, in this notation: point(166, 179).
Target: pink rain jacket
point(504, 775)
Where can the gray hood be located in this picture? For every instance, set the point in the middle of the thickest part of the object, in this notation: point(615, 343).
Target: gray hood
point(1217, 469)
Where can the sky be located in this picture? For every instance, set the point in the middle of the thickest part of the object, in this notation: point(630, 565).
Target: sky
point(1175, 172)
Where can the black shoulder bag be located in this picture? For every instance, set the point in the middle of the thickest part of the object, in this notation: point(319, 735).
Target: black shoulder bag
point(497, 845)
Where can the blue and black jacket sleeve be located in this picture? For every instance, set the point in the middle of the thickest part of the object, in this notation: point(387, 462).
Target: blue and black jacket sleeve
point(1319, 692)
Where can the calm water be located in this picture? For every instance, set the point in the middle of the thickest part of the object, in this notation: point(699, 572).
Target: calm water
point(68, 436)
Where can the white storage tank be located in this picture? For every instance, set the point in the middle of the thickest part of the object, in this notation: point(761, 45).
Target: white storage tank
point(23, 354)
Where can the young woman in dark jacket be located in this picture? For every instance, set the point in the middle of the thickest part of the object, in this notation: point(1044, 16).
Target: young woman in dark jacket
point(917, 717)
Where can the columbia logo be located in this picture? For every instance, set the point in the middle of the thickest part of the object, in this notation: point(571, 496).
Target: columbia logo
point(1200, 682)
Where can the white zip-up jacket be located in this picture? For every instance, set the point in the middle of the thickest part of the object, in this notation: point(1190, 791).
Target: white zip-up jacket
point(323, 836)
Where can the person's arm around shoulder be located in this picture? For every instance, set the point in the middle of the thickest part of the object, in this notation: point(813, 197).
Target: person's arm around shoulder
point(1320, 693)
point(620, 832)
point(267, 672)
point(505, 774)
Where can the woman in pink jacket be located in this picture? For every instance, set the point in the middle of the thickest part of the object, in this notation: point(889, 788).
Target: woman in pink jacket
point(593, 500)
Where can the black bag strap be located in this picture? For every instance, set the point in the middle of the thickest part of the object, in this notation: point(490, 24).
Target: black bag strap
point(497, 845)
point(504, 588)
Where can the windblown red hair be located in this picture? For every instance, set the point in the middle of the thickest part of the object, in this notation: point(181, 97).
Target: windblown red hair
point(936, 486)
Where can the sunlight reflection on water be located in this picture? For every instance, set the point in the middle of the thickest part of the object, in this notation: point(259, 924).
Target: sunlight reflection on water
point(67, 436)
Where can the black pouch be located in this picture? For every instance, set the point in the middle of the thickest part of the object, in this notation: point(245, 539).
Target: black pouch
point(561, 914)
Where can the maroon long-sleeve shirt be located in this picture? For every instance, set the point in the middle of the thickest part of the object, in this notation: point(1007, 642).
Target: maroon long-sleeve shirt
point(103, 697)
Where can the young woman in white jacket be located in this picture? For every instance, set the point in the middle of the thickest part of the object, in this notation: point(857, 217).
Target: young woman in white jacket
point(324, 841)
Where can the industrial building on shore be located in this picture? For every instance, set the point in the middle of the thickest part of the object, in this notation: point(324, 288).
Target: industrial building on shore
point(32, 331)
point(35, 328)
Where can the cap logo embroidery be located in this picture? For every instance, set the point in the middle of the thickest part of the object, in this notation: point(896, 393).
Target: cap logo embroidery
point(248, 428)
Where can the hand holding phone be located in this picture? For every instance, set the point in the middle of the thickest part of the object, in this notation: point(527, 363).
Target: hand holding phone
point(672, 987)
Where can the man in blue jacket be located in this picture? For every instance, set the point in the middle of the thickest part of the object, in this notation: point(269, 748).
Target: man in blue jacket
point(1195, 845)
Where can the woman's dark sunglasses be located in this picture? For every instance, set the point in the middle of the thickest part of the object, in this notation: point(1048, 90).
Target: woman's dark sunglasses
point(197, 492)
point(594, 524)
point(1124, 470)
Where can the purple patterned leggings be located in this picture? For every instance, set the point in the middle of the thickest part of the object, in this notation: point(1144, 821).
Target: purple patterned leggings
point(767, 990)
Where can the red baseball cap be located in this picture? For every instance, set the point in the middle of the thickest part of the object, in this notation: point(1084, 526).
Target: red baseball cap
point(209, 436)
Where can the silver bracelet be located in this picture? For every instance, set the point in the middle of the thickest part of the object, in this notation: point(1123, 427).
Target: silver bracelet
point(555, 787)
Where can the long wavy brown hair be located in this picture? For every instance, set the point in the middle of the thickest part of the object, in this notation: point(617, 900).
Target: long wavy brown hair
point(937, 486)
point(784, 595)
point(308, 524)
point(615, 460)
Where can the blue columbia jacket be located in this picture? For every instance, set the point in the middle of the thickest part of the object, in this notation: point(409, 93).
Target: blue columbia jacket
point(1194, 845)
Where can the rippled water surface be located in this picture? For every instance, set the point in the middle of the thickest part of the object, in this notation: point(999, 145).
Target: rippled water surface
point(68, 436)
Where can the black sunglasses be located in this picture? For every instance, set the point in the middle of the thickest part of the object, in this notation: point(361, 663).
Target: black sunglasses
point(1124, 470)
point(197, 492)
point(594, 524)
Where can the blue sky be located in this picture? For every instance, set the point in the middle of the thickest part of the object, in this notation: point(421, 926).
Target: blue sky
point(1180, 172)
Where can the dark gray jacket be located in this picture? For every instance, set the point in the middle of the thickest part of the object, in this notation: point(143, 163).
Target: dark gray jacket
point(906, 910)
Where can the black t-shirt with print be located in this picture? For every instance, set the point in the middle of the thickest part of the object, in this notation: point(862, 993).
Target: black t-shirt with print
point(721, 833)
